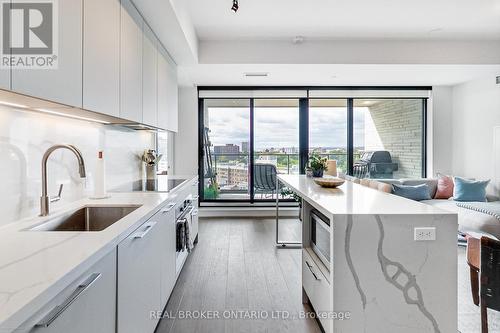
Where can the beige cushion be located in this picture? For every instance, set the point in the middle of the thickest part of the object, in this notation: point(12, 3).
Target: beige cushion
point(374, 184)
point(365, 182)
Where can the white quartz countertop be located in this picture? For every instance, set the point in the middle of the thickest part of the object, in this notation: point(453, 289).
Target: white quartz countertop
point(35, 266)
point(351, 198)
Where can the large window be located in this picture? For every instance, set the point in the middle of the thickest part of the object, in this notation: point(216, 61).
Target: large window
point(276, 143)
point(245, 142)
point(226, 138)
point(328, 130)
point(388, 134)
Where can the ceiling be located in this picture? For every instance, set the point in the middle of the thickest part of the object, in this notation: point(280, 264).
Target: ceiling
point(333, 75)
point(346, 19)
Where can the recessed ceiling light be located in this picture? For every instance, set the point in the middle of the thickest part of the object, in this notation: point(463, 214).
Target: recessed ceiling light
point(256, 74)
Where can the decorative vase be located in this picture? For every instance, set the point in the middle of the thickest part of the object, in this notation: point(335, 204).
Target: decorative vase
point(317, 173)
point(332, 168)
point(309, 172)
point(151, 173)
point(151, 159)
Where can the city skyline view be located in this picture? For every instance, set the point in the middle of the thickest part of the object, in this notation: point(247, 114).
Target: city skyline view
point(278, 127)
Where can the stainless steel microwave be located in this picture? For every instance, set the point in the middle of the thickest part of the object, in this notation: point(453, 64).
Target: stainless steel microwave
point(320, 237)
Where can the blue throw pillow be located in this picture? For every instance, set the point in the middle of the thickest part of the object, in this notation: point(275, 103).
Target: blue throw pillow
point(470, 190)
point(417, 192)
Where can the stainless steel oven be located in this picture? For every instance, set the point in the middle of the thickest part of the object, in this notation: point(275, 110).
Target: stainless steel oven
point(320, 237)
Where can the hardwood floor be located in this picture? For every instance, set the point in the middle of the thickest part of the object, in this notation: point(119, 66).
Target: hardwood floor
point(236, 270)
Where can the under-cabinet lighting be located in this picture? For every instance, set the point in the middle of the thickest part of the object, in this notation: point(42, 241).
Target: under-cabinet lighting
point(14, 105)
point(72, 116)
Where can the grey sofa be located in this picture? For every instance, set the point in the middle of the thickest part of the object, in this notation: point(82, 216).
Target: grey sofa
point(468, 220)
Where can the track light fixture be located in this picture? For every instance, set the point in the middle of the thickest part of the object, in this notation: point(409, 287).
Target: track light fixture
point(235, 6)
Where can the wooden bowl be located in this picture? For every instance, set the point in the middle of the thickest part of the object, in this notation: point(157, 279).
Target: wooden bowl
point(331, 182)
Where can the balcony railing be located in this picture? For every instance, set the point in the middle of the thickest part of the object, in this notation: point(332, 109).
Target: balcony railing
point(232, 177)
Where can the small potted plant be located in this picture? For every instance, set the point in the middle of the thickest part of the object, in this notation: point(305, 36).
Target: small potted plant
point(318, 165)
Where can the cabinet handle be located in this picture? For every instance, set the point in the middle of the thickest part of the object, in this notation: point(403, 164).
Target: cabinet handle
point(312, 271)
point(168, 208)
point(59, 309)
point(145, 232)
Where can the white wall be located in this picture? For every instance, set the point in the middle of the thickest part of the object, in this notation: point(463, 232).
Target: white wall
point(349, 52)
point(25, 136)
point(186, 139)
point(439, 154)
point(476, 112)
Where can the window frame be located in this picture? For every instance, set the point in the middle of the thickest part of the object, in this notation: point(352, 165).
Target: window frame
point(303, 128)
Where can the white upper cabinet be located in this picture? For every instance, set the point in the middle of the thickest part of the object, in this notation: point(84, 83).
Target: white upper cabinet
point(172, 96)
point(167, 91)
point(162, 88)
point(64, 84)
point(101, 56)
point(149, 77)
point(131, 63)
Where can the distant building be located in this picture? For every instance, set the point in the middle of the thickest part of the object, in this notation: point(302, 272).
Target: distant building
point(227, 149)
point(290, 150)
point(234, 176)
point(245, 148)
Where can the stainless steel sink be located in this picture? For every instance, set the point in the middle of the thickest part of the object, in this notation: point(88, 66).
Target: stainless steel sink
point(86, 219)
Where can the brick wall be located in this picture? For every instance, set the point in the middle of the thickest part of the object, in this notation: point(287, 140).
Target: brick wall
point(396, 126)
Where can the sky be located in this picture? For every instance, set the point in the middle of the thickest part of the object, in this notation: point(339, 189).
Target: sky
point(279, 127)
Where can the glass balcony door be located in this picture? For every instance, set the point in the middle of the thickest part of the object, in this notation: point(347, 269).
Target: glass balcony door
point(328, 130)
point(276, 143)
point(226, 158)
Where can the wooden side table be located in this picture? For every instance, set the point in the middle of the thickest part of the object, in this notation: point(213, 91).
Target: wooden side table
point(474, 261)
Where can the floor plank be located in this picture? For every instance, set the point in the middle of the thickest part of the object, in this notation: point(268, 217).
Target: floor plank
point(236, 270)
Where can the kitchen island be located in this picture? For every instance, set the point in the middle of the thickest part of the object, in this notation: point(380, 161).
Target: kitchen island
point(375, 277)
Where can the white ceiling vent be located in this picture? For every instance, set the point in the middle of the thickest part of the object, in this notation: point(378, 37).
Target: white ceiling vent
point(256, 74)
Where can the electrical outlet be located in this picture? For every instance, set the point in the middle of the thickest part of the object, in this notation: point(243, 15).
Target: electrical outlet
point(424, 234)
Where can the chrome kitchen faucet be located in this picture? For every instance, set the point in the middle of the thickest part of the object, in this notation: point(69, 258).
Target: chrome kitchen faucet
point(45, 200)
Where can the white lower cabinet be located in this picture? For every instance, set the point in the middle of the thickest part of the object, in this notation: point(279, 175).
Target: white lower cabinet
point(317, 288)
point(88, 305)
point(139, 279)
point(166, 218)
point(5, 78)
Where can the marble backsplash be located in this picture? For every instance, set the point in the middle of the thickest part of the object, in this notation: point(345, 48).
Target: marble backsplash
point(25, 136)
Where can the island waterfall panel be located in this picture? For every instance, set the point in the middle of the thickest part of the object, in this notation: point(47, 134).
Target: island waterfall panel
point(378, 279)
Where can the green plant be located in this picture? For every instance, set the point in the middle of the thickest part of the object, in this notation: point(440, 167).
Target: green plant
point(286, 192)
point(318, 163)
point(211, 192)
